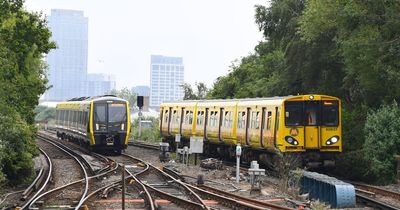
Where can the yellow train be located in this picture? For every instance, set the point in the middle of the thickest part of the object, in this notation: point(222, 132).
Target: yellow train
point(307, 126)
point(98, 123)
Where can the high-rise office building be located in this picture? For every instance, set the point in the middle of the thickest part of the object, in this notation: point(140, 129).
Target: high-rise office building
point(100, 84)
point(68, 63)
point(166, 79)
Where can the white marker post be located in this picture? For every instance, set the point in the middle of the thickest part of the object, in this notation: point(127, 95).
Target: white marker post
point(177, 141)
point(238, 154)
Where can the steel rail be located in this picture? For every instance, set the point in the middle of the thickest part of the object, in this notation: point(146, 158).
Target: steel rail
point(230, 199)
point(188, 204)
point(376, 203)
point(48, 177)
point(81, 165)
point(151, 203)
point(377, 190)
point(86, 163)
point(143, 145)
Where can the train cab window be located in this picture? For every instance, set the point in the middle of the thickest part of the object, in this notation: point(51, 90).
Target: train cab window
point(330, 113)
point(100, 113)
point(293, 113)
point(116, 113)
point(312, 110)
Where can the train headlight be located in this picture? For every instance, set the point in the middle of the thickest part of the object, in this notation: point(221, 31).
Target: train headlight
point(291, 140)
point(332, 140)
point(97, 126)
point(122, 126)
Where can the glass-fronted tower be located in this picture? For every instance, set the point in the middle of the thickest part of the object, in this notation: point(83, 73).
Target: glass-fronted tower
point(167, 76)
point(68, 63)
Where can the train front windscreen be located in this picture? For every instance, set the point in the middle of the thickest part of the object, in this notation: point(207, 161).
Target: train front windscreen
point(110, 117)
point(312, 113)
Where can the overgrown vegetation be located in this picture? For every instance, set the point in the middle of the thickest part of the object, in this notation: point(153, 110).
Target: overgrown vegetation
point(348, 49)
point(151, 134)
point(24, 40)
point(44, 113)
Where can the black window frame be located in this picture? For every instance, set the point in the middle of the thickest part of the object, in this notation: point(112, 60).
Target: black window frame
point(299, 104)
point(336, 104)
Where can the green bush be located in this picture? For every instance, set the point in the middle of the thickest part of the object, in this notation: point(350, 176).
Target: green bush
point(148, 134)
point(18, 144)
point(382, 142)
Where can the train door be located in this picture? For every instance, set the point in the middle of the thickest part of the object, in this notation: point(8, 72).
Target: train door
point(169, 120)
point(181, 121)
point(161, 119)
point(312, 115)
point(221, 119)
point(206, 123)
point(276, 123)
point(247, 126)
point(262, 128)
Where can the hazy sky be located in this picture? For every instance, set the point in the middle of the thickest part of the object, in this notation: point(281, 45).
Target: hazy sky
point(208, 34)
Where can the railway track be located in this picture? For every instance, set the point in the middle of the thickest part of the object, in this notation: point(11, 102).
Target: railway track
point(368, 194)
point(144, 145)
point(66, 194)
point(156, 187)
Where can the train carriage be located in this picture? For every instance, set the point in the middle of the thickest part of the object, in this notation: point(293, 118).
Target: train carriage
point(308, 126)
point(99, 123)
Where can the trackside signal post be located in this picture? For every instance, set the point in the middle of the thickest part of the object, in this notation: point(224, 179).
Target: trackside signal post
point(238, 154)
point(140, 105)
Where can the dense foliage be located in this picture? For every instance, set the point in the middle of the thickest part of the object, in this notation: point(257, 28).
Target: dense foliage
point(200, 91)
point(126, 94)
point(147, 134)
point(44, 113)
point(348, 49)
point(24, 39)
point(382, 141)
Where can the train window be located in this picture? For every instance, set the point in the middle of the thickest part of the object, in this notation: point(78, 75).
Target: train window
point(211, 122)
point(166, 116)
point(293, 113)
point(199, 117)
point(116, 113)
point(269, 120)
point(312, 111)
point(190, 117)
point(330, 113)
point(100, 113)
point(241, 119)
point(215, 119)
point(257, 125)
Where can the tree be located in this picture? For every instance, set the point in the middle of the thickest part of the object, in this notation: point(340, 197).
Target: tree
point(24, 40)
point(200, 93)
point(382, 142)
point(126, 94)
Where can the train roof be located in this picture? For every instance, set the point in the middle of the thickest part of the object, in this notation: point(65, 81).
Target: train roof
point(87, 100)
point(246, 101)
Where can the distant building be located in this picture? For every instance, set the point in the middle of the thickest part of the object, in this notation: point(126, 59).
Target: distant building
point(67, 63)
point(141, 90)
point(100, 84)
point(166, 78)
